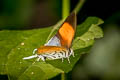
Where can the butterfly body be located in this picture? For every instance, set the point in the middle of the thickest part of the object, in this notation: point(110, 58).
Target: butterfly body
point(59, 46)
point(49, 49)
point(51, 53)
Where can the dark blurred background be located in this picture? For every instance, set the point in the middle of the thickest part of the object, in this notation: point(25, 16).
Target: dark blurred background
point(102, 62)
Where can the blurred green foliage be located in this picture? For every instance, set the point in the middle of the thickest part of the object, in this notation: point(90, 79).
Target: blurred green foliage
point(15, 14)
point(25, 14)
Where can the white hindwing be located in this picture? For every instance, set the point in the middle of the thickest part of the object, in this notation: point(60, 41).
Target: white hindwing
point(54, 41)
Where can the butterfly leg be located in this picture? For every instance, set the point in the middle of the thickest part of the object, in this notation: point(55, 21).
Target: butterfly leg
point(41, 57)
point(62, 59)
point(68, 59)
point(73, 54)
point(38, 59)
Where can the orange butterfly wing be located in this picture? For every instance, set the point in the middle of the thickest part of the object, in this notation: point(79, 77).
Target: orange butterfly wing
point(65, 34)
point(67, 31)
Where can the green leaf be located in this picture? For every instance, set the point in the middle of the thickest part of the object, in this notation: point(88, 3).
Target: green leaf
point(89, 30)
point(8, 41)
point(15, 14)
point(87, 24)
point(14, 45)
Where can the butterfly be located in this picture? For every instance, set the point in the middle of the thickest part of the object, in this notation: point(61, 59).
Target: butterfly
point(59, 46)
